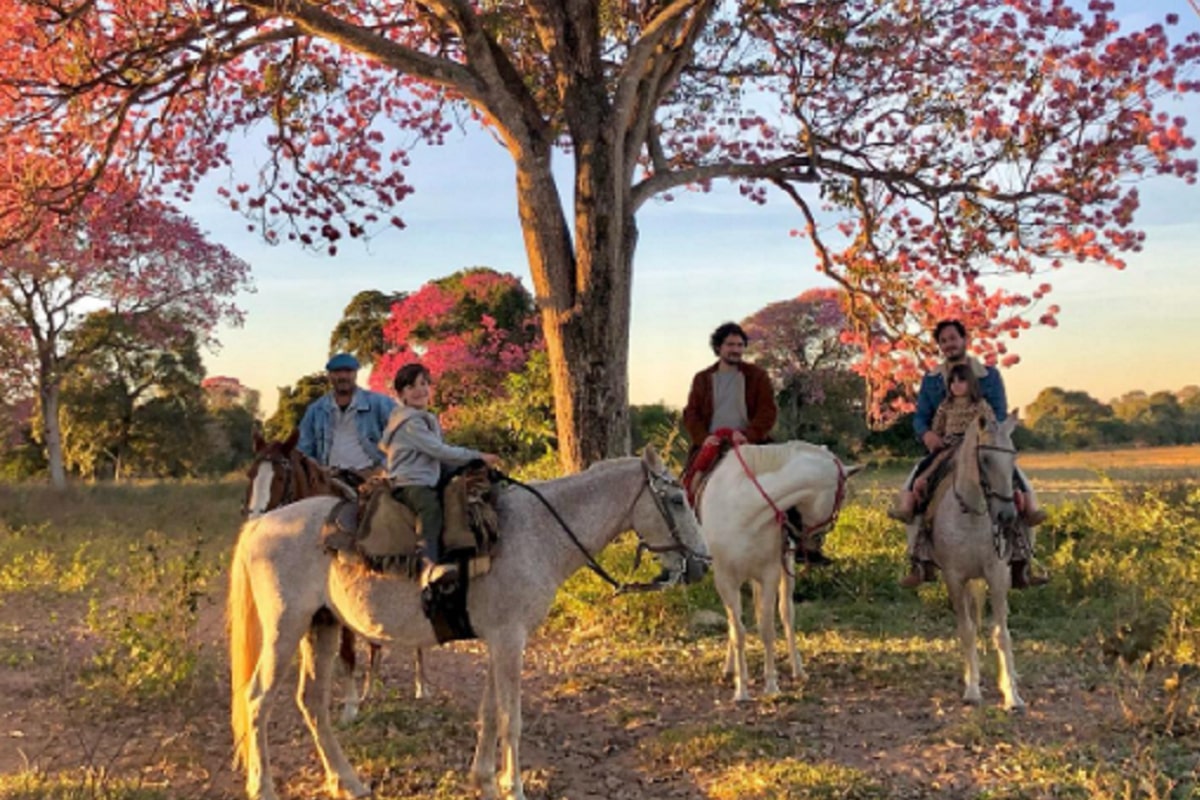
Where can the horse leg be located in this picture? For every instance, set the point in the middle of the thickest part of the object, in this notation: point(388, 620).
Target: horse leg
point(1004, 655)
point(318, 651)
point(787, 615)
point(262, 638)
point(351, 698)
point(420, 682)
point(965, 613)
point(766, 632)
point(731, 596)
point(506, 662)
point(483, 765)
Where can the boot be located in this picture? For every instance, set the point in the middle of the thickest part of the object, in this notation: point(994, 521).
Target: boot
point(915, 576)
point(1023, 577)
point(1034, 517)
point(433, 574)
point(905, 508)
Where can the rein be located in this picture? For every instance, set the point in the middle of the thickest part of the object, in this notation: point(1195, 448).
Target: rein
point(620, 587)
point(781, 516)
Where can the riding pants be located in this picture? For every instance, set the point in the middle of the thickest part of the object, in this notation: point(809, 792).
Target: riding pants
point(427, 505)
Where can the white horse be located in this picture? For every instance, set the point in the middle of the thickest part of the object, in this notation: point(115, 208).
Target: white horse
point(739, 512)
point(285, 592)
point(280, 474)
point(970, 551)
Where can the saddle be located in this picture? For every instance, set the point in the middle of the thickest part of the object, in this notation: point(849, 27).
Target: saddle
point(379, 533)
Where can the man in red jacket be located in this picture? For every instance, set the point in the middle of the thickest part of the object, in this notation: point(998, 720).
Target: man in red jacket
point(732, 401)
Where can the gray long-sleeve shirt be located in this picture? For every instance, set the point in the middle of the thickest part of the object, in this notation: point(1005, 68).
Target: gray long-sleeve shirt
point(415, 450)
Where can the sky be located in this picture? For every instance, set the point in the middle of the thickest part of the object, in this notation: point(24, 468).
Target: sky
point(702, 260)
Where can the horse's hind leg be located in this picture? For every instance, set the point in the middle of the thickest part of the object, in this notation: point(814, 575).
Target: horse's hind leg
point(483, 766)
point(1006, 663)
point(280, 637)
point(318, 651)
point(506, 657)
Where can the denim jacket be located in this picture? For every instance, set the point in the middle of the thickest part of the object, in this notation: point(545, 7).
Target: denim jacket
point(316, 428)
point(933, 391)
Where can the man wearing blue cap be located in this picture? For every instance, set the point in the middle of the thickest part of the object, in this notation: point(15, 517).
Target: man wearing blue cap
point(341, 430)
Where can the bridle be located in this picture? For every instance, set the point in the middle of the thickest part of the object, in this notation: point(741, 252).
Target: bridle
point(282, 465)
point(988, 491)
point(781, 516)
point(659, 485)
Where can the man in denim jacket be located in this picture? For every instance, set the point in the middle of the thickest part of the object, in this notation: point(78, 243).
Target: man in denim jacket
point(951, 338)
point(342, 429)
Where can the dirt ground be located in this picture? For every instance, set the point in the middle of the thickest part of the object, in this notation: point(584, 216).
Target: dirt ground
point(591, 727)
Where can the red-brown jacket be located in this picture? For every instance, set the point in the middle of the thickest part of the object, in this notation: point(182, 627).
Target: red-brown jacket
point(760, 404)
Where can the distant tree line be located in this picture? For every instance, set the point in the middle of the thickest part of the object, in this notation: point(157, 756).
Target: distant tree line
point(138, 405)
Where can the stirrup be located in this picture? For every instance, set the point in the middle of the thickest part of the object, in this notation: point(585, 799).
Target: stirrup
point(1035, 517)
point(438, 574)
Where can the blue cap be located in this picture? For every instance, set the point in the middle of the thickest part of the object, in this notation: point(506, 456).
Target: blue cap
point(341, 361)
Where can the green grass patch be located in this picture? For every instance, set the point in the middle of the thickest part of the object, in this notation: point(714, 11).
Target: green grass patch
point(90, 784)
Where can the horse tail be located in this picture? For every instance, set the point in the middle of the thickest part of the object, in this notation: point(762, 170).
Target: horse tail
point(245, 646)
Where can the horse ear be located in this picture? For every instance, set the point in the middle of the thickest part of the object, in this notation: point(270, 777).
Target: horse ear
point(853, 469)
point(290, 442)
point(259, 442)
point(651, 459)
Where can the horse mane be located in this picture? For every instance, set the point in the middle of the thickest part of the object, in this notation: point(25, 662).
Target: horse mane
point(766, 458)
point(310, 477)
point(967, 483)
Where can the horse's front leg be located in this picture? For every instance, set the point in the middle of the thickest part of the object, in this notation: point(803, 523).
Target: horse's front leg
point(483, 765)
point(507, 656)
point(766, 631)
point(787, 614)
point(731, 596)
point(964, 614)
point(1006, 663)
point(420, 682)
point(318, 653)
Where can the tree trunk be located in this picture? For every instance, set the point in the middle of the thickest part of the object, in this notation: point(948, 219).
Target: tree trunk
point(52, 434)
point(584, 293)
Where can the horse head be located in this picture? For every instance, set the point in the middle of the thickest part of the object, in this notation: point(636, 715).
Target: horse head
point(666, 524)
point(271, 474)
point(807, 477)
point(984, 473)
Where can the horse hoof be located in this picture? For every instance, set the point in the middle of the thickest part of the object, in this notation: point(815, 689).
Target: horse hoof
point(973, 700)
point(1017, 709)
point(743, 697)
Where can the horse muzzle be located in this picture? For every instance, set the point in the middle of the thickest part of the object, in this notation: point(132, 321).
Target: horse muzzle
point(694, 568)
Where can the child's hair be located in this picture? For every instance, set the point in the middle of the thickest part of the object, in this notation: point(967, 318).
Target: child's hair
point(963, 372)
point(407, 375)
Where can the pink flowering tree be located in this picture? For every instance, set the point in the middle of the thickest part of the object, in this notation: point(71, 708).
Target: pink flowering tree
point(805, 346)
point(139, 261)
point(925, 145)
point(471, 329)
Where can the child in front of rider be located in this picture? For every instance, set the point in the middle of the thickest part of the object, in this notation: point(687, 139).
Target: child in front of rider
point(416, 455)
point(964, 405)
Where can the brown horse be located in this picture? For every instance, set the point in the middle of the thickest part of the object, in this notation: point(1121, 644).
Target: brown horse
point(281, 474)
